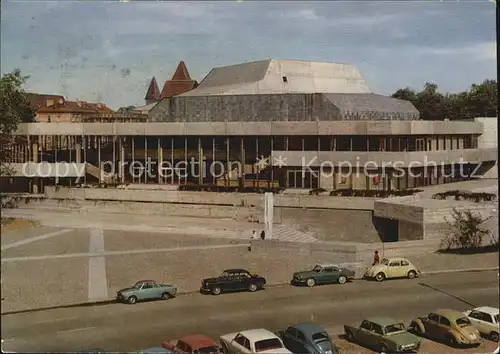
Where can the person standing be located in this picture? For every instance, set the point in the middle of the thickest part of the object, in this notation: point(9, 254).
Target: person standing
point(253, 237)
point(376, 258)
point(263, 235)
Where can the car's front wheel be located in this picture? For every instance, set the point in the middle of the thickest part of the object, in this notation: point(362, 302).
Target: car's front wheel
point(311, 282)
point(252, 287)
point(384, 349)
point(216, 291)
point(380, 277)
point(342, 279)
point(452, 341)
point(165, 296)
point(132, 300)
point(494, 337)
point(412, 274)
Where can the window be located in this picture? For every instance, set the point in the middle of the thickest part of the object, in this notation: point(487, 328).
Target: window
point(444, 321)
point(328, 269)
point(433, 317)
point(385, 261)
point(377, 329)
point(241, 340)
point(396, 327)
point(463, 322)
point(405, 263)
point(184, 347)
point(320, 337)
point(291, 332)
point(285, 79)
point(317, 269)
point(497, 319)
point(267, 344)
point(301, 337)
point(366, 325)
point(395, 264)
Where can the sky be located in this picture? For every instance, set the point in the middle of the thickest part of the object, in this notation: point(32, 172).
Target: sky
point(108, 51)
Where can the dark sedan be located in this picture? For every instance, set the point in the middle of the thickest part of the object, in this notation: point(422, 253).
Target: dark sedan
point(323, 274)
point(232, 280)
point(307, 338)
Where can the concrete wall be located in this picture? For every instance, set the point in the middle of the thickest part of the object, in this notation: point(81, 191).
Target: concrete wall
point(328, 224)
point(489, 139)
point(254, 128)
point(232, 199)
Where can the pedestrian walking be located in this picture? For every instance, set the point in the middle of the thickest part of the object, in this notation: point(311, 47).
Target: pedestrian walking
point(263, 235)
point(376, 258)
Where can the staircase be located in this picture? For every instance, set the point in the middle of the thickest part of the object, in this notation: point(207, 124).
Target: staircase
point(98, 173)
point(285, 233)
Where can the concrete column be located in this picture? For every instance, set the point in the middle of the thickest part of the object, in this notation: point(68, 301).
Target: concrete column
point(172, 172)
point(200, 162)
point(159, 159)
point(99, 139)
point(121, 168)
point(185, 159)
point(133, 159)
point(213, 160)
point(228, 180)
point(145, 161)
point(78, 153)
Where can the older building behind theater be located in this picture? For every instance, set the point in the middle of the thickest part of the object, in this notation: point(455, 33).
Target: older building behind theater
point(262, 123)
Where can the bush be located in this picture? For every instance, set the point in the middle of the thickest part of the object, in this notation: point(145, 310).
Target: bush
point(316, 191)
point(465, 231)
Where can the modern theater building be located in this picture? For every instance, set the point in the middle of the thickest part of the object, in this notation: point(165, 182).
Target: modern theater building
point(296, 124)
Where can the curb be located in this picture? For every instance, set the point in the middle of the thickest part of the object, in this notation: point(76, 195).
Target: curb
point(270, 285)
point(446, 271)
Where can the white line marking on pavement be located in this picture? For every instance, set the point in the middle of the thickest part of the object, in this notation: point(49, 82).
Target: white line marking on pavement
point(75, 330)
point(98, 284)
point(119, 253)
point(56, 320)
point(33, 239)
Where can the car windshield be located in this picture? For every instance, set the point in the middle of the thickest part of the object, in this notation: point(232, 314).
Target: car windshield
point(394, 328)
point(317, 268)
point(208, 350)
point(137, 285)
point(267, 344)
point(385, 261)
point(463, 322)
point(497, 319)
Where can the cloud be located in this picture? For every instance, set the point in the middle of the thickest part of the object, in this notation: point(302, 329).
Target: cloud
point(476, 51)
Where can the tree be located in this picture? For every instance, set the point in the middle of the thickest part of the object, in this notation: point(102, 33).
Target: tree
point(465, 231)
point(480, 101)
point(127, 109)
point(14, 109)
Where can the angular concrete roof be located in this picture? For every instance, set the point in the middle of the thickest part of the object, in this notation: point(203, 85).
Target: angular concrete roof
point(371, 104)
point(275, 76)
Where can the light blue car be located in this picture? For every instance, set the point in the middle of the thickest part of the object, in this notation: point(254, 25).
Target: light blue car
point(146, 290)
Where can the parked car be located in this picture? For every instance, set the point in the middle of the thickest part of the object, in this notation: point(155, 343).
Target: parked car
point(232, 280)
point(193, 344)
point(146, 290)
point(383, 334)
point(389, 268)
point(252, 341)
point(448, 326)
point(307, 338)
point(486, 320)
point(323, 274)
point(155, 350)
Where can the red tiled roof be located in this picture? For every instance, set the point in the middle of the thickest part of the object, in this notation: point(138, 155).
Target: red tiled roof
point(173, 88)
point(153, 91)
point(37, 101)
point(181, 73)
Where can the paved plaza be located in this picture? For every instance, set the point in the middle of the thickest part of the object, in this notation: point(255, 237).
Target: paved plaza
point(49, 266)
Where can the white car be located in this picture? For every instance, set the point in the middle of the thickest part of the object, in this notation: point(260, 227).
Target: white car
point(486, 320)
point(252, 341)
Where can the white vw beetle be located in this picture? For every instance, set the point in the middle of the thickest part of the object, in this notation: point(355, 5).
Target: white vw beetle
point(252, 341)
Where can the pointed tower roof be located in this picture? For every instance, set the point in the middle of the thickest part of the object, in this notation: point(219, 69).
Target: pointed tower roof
point(181, 73)
point(153, 91)
point(181, 82)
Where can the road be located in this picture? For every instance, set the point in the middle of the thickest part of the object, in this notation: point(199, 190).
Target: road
point(120, 327)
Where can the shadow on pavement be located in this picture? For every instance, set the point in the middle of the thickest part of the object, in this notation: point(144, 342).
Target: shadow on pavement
point(446, 293)
point(83, 304)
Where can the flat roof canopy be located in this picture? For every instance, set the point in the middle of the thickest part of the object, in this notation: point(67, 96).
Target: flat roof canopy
point(254, 128)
